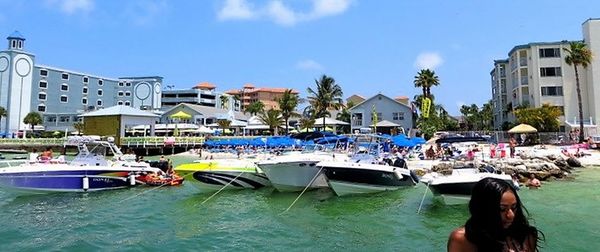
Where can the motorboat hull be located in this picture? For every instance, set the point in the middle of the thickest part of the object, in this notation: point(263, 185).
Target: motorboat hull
point(294, 176)
point(359, 178)
point(457, 188)
point(65, 181)
point(223, 174)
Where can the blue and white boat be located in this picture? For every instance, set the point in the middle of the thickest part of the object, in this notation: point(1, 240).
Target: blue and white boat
point(88, 171)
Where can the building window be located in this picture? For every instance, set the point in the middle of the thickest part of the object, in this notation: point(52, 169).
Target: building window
point(127, 93)
point(84, 101)
point(100, 92)
point(85, 90)
point(64, 99)
point(397, 116)
point(41, 108)
point(65, 76)
point(65, 119)
point(552, 91)
point(120, 84)
point(43, 84)
point(549, 53)
point(100, 82)
point(99, 102)
point(49, 118)
point(41, 96)
point(64, 87)
point(120, 103)
point(86, 79)
point(550, 71)
point(379, 117)
point(127, 103)
point(120, 93)
point(128, 84)
point(44, 72)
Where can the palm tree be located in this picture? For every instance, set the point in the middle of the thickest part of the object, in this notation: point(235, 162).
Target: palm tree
point(32, 118)
point(2, 113)
point(306, 123)
point(287, 104)
point(328, 95)
point(255, 108)
point(425, 79)
point(578, 55)
point(79, 126)
point(224, 124)
point(224, 101)
point(273, 118)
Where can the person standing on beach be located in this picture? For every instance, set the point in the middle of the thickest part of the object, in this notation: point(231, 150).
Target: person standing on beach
point(533, 182)
point(512, 143)
point(497, 222)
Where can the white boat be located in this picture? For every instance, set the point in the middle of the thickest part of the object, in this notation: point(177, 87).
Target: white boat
point(456, 187)
point(365, 174)
point(294, 171)
point(89, 171)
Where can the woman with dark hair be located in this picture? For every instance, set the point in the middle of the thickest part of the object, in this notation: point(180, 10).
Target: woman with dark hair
point(497, 221)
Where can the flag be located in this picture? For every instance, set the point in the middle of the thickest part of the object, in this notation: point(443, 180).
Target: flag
point(425, 107)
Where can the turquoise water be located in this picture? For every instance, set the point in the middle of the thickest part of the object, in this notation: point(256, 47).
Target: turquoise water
point(149, 219)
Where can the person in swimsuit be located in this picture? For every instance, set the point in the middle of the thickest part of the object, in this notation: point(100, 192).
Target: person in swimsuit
point(497, 222)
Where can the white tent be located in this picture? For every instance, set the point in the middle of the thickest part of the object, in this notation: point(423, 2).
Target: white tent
point(329, 121)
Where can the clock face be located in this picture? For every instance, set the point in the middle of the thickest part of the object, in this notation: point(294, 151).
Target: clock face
point(157, 88)
point(143, 90)
point(23, 67)
point(3, 63)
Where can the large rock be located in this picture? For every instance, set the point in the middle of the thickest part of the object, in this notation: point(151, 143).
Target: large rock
point(573, 162)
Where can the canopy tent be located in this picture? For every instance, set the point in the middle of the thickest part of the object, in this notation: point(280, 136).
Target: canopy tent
point(329, 122)
point(385, 123)
point(181, 115)
point(523, 128)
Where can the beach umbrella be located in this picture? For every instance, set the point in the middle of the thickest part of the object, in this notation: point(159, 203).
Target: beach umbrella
point(523, 128)
point(181, 115)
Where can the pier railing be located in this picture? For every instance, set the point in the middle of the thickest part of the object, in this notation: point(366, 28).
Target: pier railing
point(161, 141)
point(32, 141)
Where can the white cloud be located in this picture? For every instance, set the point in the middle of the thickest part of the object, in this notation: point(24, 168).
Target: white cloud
point(236, 9)
point(281, 13)
point(72, 6)
point(309, 64)
point(428, 60)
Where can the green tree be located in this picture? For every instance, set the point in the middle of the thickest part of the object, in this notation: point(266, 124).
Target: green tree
point(224, 124)
point(425, 79)
point(255, 108)
point(307, 123)
point(287, 105)
point(328, 95)
point(487, 115)
point(224, 101)
point(3, 113)
point(578, 54)
point(471, 115)
point(544, 119)
point(32, 118)
point(273, 118)
point(345, 116)
point(79, 127)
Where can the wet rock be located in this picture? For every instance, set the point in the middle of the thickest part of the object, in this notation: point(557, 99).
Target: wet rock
point(573, 162)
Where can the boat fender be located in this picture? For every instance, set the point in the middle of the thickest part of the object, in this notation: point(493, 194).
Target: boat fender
point(414, 176)
point(131, 179)
point(86, 183)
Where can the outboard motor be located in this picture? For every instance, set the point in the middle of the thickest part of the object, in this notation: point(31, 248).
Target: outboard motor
point(414, 176)
point(399, 162)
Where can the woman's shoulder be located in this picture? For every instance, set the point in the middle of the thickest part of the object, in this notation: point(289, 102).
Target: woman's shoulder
point(458, 241)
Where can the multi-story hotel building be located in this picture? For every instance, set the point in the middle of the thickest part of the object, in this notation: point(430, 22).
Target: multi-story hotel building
point(268, 96)
point(536, 74)
point(61, 95)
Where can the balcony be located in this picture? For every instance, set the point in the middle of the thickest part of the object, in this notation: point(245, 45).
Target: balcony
point(524, 80)
point(522, 61)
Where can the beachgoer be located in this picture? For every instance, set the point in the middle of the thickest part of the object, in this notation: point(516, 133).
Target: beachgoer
point(492, 150)
point(47, 154)
point(497, 223)
point(33, 156)
point(512, 143)
point(515, 180)
point(533, 182)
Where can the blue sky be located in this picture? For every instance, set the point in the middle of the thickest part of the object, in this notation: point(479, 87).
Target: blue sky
point(368, 46)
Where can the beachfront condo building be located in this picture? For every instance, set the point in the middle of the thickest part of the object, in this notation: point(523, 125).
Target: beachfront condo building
point(61, 95)
point(250, 94)
point(536, 74)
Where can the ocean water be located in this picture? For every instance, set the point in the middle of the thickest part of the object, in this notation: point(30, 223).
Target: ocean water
point(174, 218)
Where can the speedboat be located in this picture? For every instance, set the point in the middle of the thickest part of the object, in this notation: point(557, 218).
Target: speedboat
point(88, 171)
point(228, 174)
point(455, 186)
point(295, 171)
point(365, 174)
